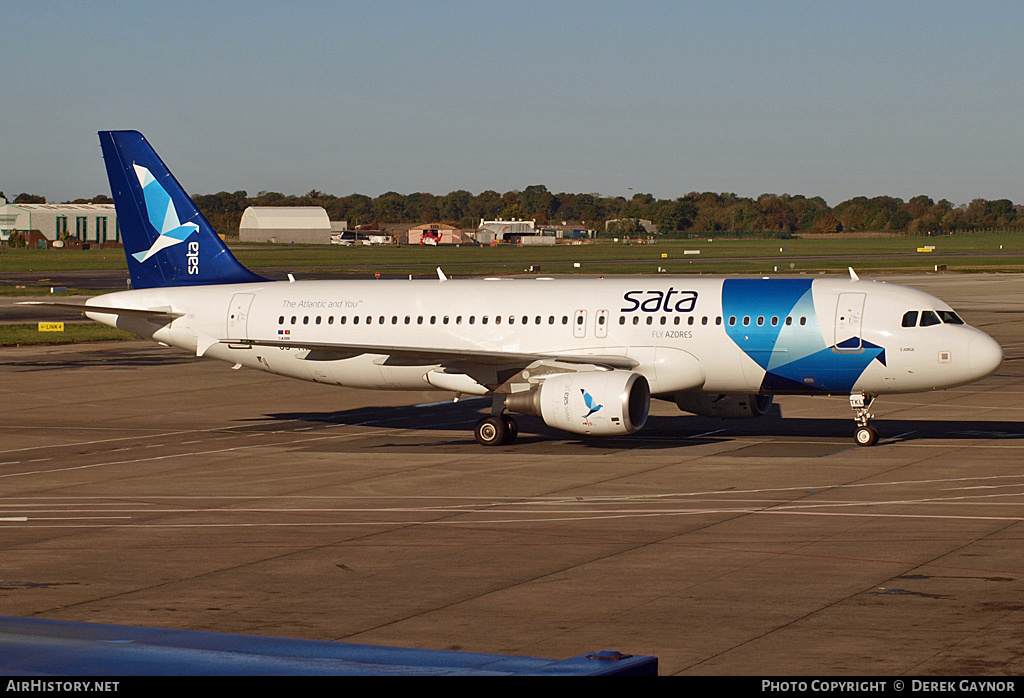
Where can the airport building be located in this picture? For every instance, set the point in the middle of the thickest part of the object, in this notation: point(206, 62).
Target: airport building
point(90, 223)
point(626, 226)
point(285, 224)
point(567, 231)
point(529, 233)
point(434, 234)
point(504, 231)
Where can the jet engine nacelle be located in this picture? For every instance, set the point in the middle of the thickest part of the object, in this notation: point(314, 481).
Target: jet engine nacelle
point(602, 403)
point(724, 406)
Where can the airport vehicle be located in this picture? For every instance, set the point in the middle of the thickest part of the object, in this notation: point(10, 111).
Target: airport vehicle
point(585, 355)
point(350, 238)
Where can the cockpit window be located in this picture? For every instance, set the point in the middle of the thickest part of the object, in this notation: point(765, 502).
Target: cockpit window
point(931, 317)
point(950, 318)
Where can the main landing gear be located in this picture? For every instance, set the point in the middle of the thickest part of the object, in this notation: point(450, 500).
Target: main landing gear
point(496, 430)
point(861, 404)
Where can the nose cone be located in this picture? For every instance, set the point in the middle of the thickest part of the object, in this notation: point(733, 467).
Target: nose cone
point(984, 355)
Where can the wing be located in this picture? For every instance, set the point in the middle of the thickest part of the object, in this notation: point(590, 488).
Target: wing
point(417, 356)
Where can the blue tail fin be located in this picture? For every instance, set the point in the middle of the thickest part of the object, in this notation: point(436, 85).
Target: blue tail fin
point(167, 241)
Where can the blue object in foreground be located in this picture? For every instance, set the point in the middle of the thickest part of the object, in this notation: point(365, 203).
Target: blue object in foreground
point(60, 648)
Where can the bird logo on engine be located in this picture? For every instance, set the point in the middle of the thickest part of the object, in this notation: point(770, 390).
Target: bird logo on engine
point(591, 403)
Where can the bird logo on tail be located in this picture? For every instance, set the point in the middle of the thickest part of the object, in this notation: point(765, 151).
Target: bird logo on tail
point(162, 215)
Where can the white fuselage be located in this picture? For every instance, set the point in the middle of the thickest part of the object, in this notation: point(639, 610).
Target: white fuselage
point(825, 335)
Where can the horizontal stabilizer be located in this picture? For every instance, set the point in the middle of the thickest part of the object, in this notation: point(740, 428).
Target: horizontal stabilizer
point(151, 313)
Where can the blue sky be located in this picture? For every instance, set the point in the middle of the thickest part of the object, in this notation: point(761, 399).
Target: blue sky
point(831, 99)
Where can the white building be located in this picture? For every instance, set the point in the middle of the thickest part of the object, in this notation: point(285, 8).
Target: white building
point(88, 222)
point(285, 224)
point(504, 231)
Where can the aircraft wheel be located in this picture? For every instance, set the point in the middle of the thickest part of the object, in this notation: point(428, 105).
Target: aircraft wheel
point(491, 431)
point(511, 429)
point(866, 436)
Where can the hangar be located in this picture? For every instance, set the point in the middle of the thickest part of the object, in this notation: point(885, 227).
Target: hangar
point(285, 224)
point(92, 222)
point(435, 234)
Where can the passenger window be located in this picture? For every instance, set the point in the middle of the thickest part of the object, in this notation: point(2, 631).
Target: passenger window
point(929, 318)
point(484, 319)
point(579, 320)
point(355, 319)
point(305, 320)
point(718, 320)
point(650, 320)
point(407, 319)
point(472, 319)
point(293, 319)
point(622, 319)
point(789, 320)
point(551, 319)
point(636, 319)
point(746, 320)
point(663, 319)
point(445, 320)
point(280, 320)
point(394, 319)
point(318, 319)
point(775, 320)
point(910, 318)
point(760, 320)
point(732, 319)
point(343, 319)
point(565, 319)
point(381, 319)
point(458, 320)
point(433, 319)
point(369, 320)
point(330, 320)
point(803, 320)
point(419, 320)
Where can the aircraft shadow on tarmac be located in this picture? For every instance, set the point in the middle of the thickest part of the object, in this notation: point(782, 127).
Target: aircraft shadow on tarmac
point(660, 432)
point(123, 359)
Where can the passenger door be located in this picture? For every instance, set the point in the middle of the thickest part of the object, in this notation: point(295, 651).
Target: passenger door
point(849, 319)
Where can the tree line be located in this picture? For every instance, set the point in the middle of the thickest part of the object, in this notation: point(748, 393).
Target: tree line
point(778, 215)
point(695, 214)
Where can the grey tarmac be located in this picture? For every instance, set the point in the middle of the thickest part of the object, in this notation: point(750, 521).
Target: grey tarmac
point(142, 486)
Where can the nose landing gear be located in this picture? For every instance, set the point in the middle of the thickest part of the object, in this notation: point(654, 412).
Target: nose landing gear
point(861, 404)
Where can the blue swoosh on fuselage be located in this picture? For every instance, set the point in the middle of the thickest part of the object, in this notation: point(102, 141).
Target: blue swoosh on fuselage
point(794, 357)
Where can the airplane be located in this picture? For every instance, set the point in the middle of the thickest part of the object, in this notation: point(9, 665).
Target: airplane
point(584, 355)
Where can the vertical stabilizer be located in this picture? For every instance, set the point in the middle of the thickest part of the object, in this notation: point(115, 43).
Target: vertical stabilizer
point(167, 241)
